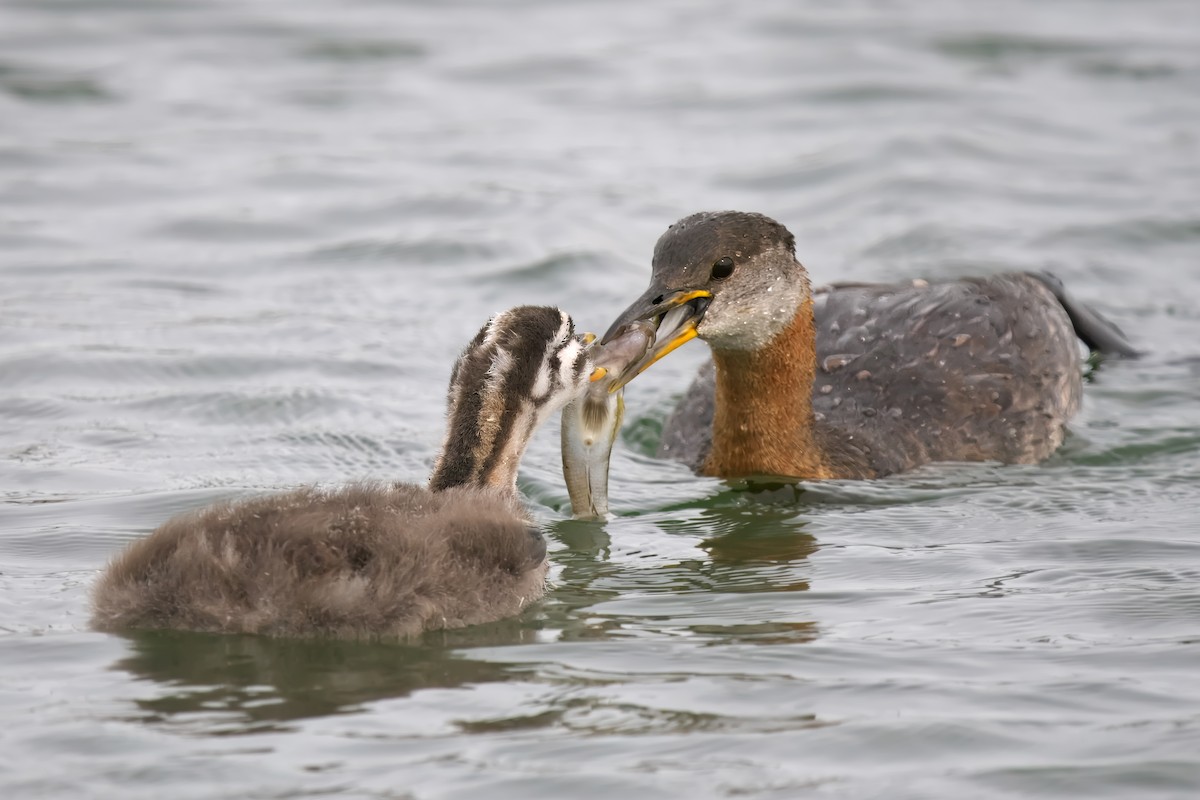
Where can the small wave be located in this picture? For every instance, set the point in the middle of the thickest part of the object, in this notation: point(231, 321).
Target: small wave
point(37, 85)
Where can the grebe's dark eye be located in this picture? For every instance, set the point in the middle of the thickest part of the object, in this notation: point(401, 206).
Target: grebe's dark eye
point(722, 269)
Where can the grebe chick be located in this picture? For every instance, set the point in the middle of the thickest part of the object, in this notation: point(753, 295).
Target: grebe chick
point(375, 559)
point(860, 380)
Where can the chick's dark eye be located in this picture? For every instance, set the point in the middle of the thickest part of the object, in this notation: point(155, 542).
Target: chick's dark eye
point(722, 269)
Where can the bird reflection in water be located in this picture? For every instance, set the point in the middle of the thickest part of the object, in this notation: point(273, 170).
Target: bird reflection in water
point(233, 685)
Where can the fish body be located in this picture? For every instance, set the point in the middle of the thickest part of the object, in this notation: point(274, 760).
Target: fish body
point(591, 422)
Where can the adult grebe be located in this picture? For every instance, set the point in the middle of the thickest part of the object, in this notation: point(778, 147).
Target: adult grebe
point(858, 380)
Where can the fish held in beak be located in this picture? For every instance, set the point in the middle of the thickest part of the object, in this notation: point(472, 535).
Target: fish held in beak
point(590, 423)
point(671, 318)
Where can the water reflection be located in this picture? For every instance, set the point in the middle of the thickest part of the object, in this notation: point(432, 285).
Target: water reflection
point(755, 522)
point(588, 576)
point(757, 535)
point(249, 684)
point(585, 539)
point(760, 546)
point(726, 568)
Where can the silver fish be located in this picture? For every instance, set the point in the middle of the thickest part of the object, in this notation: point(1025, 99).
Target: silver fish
point(591, 422)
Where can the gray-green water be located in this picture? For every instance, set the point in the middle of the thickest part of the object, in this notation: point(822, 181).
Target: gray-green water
point(241, 243)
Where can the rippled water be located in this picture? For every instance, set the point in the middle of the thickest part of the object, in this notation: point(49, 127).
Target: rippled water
point(241, 243)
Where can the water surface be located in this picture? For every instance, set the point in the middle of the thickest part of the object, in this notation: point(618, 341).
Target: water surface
point(241, 244)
